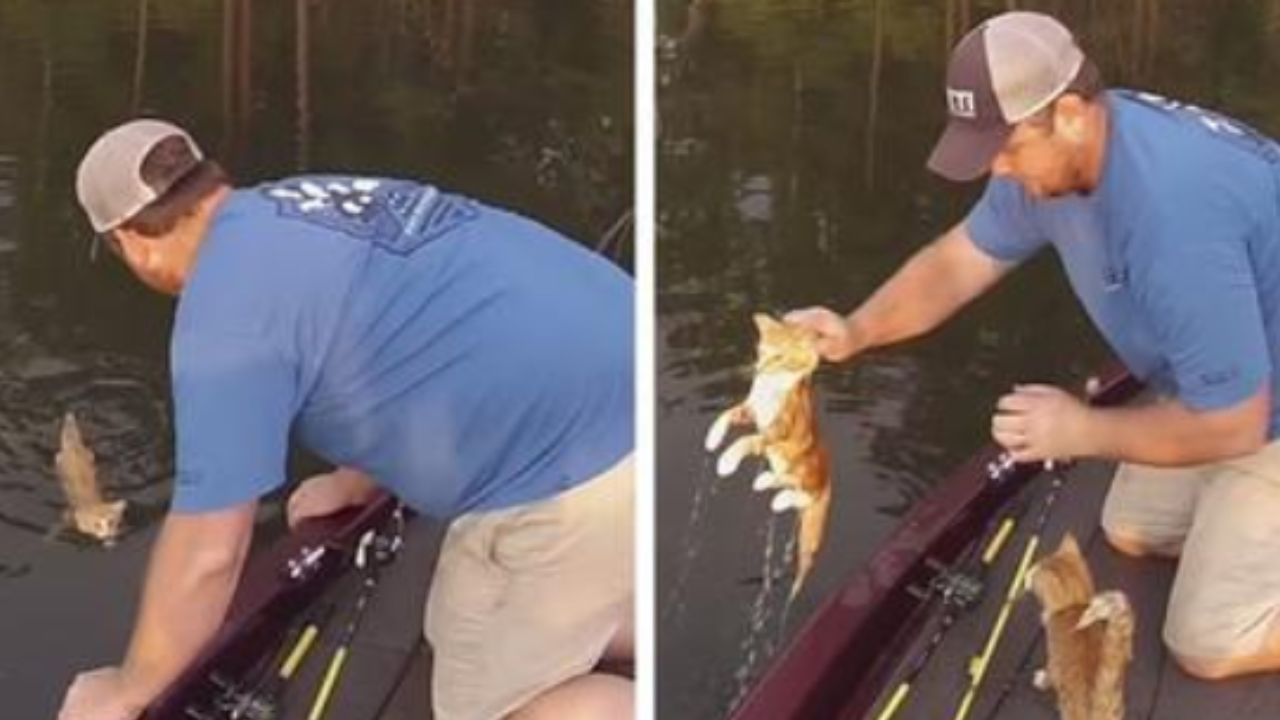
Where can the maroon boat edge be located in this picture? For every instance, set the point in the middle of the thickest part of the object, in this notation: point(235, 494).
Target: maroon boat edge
point(837, 663)
point(267, 602)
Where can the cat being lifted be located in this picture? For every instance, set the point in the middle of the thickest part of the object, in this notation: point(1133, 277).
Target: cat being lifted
point(1089, 637)
point(78, 475)
point(780, 406)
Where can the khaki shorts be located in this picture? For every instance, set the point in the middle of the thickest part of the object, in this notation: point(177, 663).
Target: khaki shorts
point(527, 597)
point(1223, 521)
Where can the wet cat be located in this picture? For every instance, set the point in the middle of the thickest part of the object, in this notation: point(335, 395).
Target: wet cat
point(1089, 636)
point(77, 472)
point(780, 406)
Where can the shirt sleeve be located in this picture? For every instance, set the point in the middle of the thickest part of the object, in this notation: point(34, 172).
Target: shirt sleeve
point(1200, 294)
point(1001, 223)
point(234, 401)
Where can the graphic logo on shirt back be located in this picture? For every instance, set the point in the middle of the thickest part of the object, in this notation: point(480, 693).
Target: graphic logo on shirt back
point(1237, 133)
point(398, 216)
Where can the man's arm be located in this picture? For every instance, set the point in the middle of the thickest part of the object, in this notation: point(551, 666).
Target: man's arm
point(195, 565)
point(930, 287)
point(1171, 434)
point(1040, 422)
point(328, 493)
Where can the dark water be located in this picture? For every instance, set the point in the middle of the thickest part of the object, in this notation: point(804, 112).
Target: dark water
point(792, 142)
point(521, 103)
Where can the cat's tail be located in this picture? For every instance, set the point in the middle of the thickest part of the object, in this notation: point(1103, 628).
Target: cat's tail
point(1111, 608)
point(811, 527)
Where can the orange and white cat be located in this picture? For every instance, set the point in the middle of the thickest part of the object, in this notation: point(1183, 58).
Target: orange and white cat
point(1088, 636)
point(780, 405)
point(77, 473)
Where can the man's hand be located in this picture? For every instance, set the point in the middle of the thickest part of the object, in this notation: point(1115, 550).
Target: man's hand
point(327, 493)
point(1042, 422)
point(101, 694)
point(836, 341)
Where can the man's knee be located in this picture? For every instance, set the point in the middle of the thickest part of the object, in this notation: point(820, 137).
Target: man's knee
point(1132, 544)
point(1209, 649)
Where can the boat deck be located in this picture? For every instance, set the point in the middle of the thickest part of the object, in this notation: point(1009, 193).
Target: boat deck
point(1157, 688)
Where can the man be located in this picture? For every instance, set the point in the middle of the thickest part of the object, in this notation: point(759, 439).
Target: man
point(1167, 221)
point(473, 362)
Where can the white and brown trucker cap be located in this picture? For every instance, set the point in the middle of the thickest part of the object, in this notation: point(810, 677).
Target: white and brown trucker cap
point(109, 182)
point(1002, 72)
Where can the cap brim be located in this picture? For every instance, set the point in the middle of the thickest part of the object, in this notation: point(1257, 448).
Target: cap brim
point(965, 152)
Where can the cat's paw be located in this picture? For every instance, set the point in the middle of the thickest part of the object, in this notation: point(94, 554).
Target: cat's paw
point(791, 499)
point(1040, 680)
point(1104, 607)
point(717, 431)
point(766, 481)
point(732, 457)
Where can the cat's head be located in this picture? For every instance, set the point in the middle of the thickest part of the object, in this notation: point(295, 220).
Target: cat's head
point(102, 521)
point(784, 348)
point(1061, 579)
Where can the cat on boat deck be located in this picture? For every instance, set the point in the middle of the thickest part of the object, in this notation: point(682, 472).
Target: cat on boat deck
point(780, 405)
point(77, 473)
point(1088, 636)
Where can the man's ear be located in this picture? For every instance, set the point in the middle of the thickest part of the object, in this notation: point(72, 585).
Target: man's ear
point(1069, 112)
point(135, 247)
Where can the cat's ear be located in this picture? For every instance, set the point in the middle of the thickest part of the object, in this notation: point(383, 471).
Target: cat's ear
point(1070, 546)
point(766, 325)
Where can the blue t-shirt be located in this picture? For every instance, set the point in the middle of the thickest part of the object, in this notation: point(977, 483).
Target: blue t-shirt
point(1175, 255)
point(465, 357)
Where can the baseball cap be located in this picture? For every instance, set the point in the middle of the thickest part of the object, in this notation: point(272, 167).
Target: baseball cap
point(109, 181)
point(1001, 73)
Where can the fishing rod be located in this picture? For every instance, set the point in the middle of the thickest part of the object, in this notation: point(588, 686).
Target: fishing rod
point(258, 696)
point(958, 587)
point(979, 665)
point(374, 551)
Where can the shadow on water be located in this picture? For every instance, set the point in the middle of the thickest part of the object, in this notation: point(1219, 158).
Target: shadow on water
point(525, 105)
point(792, 139)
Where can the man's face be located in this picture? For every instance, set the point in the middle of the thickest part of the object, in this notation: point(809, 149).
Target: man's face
point(1040, 158)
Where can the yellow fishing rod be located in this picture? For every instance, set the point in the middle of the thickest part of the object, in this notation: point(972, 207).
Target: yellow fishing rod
point(978, 666)
point(258, 696)
point(372, 552)
point(302, 646)
point(957, 592)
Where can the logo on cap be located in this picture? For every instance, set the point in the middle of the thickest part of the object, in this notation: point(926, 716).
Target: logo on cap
point(961, 103)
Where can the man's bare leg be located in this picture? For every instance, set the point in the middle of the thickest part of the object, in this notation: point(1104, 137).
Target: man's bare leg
point(1134, 545)
point(595, 696)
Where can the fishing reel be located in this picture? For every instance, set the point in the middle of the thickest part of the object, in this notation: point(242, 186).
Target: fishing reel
point(952, 587)
point(384, 545)
point(1002, 467)
point(234, 701)
point(378, 547)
